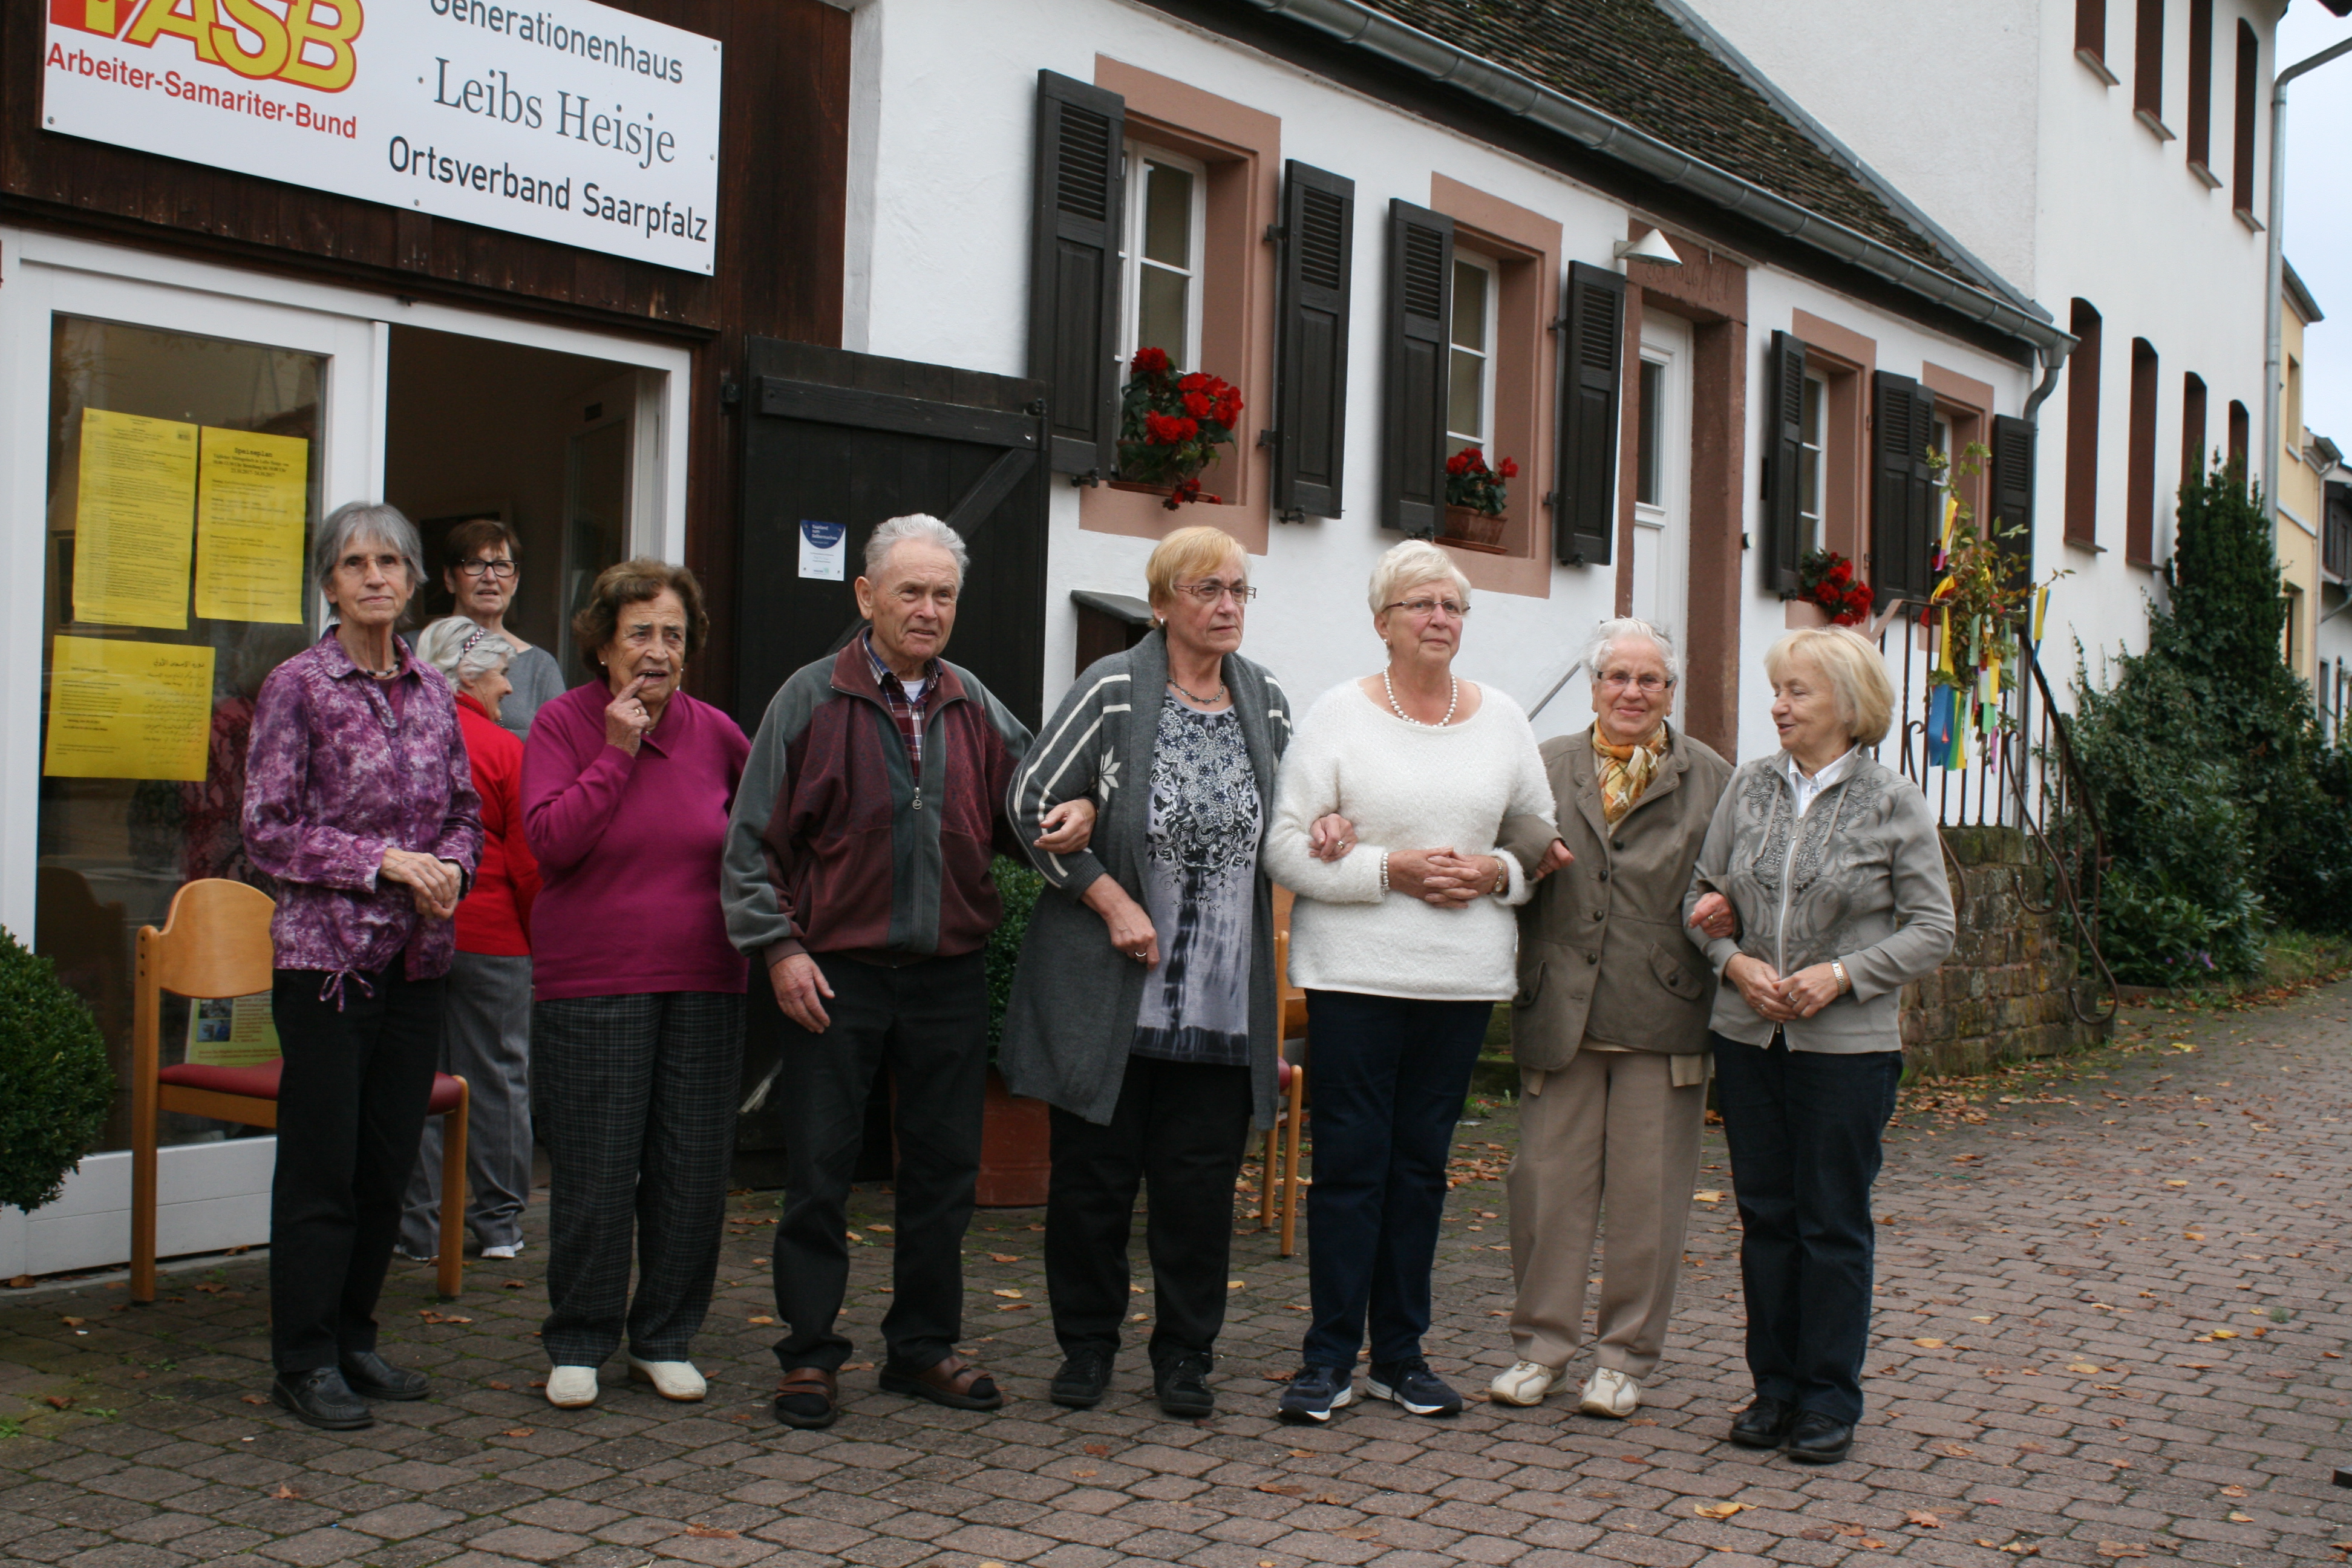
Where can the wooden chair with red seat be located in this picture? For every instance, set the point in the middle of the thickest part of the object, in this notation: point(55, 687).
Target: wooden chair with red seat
point(1290, 1108)
point(216, 943)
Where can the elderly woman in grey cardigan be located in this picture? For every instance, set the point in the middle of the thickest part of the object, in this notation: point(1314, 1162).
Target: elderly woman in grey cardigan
point(1144, 1010)
point(1827, 866)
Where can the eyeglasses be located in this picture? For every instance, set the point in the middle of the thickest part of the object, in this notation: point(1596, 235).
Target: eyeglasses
point(500, 569)
point(1210, 592)
point(1425, 608)
point(1650, 685)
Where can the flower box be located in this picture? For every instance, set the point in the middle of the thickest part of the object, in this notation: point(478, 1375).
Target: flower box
point(1480, 530)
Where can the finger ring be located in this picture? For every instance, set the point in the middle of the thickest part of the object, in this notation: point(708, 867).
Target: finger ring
point(1138, 954)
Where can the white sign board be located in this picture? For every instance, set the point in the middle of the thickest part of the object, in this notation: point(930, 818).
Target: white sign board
point(566, 119)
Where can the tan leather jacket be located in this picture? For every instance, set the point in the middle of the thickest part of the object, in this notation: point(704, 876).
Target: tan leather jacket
point(1603, 952)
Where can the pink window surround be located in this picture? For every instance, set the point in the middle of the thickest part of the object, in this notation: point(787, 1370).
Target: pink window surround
point(1845, 360)
point(1242, 148)
point(1966, 403)
point(1526, 247)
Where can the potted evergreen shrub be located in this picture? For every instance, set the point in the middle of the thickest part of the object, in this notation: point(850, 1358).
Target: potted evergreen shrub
point(58, 1086)
point(1017, 1159)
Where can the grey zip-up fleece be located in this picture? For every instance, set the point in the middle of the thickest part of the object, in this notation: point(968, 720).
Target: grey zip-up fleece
point(1858, 878)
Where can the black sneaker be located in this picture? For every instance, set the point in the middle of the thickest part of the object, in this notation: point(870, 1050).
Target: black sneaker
point(371, 1376)
point(1182, 1383)
point(323, 1398)
point(1411, 1386)
point(1083, 1377)
point(1314, 1392)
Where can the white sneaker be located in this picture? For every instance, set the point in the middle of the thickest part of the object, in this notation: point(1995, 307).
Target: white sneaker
point(1525, 1383)
point(511, 1249)
point(572, 1387)
point(671, 1379)
point(1609, 1392)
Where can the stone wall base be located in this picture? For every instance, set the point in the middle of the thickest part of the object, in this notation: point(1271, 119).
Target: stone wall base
point(2002, 995)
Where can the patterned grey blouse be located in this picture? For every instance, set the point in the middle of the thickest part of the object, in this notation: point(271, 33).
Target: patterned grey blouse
point(1200, 881)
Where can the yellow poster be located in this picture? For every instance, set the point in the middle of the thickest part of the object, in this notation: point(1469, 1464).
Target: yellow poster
point(231, 1032)
point(129, 709)
point(251, 492)
point(132, 519)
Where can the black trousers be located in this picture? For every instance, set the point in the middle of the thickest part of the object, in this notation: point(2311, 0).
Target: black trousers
point(634, 1098)
point(929, 1021)
point(1181, 1127)
point(1390, 1074)
point(1806, 1131)
point(357, 1074)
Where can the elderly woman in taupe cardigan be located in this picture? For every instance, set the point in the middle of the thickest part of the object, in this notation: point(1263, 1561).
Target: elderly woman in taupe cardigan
point(1609, 1030)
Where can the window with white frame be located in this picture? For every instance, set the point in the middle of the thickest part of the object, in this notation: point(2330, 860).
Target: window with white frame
point(1811, 485)
point(1470, 386)
point(1649, 459)
point(1940, 439)
point(1159, 255)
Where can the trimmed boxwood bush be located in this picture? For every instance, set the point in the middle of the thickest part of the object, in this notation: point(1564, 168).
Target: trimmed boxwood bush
point(1018, 885)
point(54, 1084)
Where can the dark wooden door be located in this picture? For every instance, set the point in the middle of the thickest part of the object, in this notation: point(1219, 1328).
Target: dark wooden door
point(855, 439)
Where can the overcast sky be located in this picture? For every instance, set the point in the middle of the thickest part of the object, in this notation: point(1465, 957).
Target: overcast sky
point(2319, 208)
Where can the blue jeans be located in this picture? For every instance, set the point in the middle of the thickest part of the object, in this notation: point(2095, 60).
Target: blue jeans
point(1806, 1131)
point(1388, 1078)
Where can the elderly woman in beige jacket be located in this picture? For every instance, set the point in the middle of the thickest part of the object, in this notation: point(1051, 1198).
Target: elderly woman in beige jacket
point(1610, 1030)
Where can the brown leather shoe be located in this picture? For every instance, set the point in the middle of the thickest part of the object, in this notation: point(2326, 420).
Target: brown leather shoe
point(809, 1398)
point(951, 1381)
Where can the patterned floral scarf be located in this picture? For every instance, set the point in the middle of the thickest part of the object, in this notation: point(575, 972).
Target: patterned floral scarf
point(1626, 770)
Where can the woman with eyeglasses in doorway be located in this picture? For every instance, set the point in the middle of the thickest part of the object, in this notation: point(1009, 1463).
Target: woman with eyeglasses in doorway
point(1403, 946)
point(480, 568)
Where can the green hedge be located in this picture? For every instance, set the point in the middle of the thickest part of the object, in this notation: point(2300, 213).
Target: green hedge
point(1018, 885)
point(54, 1084)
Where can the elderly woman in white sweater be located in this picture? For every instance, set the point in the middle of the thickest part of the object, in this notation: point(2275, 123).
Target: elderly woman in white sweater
point(1403, 947)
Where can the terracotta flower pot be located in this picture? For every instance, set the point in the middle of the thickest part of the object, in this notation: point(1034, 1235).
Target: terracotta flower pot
point(1016, 1149)
point(1138, 486)
point(1802, 615)
point(1472, 526)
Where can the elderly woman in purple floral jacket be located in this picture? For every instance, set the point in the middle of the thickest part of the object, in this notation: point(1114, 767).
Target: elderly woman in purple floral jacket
point(360, 800)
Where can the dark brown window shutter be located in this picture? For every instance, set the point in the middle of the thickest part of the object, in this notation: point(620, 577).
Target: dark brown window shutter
point(2139, 477)
point(2148, 60)
point(1413, 423)
point(2091, 26)
point(1784, 436)
point(1902, 524)
point(2245, 115)
point(2200, 83)
point(2192, 428)
point(1591, 390)
point(1074, 268)
point(1310, 362)
point(2012, 491)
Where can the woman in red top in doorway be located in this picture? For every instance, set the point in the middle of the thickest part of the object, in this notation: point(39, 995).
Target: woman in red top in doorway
point(486, 1035)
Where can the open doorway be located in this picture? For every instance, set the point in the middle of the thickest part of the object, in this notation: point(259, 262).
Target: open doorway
point(564, 448)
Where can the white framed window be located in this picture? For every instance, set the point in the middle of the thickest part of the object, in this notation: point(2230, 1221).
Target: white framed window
point(1811, 485)
point(1470, 381)
point(1940, 439)
point(1160, 255)
point(1649, 454)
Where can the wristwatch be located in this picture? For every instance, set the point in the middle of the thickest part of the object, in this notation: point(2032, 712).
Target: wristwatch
point(1844, 981)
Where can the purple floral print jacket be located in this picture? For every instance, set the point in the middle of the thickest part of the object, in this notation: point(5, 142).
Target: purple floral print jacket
point(333, 779)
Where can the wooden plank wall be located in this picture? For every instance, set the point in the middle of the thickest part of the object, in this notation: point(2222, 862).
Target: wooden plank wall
point(783, 165)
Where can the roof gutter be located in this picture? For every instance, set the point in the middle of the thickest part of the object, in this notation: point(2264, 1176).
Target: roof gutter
point(1363, 29)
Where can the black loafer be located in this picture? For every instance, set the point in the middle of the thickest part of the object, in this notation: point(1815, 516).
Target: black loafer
point(371, 1376)
point(1816, 1439)
point(323, 1398)
point(1083, 1380)
point(1181, 1382)
point(1763, 1425)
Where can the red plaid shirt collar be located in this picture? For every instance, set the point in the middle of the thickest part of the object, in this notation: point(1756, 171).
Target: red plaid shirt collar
point(909, 708)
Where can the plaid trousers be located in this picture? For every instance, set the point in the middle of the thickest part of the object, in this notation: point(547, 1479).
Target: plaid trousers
point(634, 1097)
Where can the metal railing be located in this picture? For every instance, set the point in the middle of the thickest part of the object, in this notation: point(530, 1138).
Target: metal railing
point(2030, 782)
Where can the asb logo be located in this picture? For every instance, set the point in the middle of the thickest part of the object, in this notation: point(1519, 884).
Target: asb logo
point(306, 42)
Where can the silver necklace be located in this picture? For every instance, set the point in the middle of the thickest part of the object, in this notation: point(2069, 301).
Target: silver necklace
point(1203, 701)
point(1452, 699)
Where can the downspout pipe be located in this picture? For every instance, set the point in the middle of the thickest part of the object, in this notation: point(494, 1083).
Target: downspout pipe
point(1384, 37)
point(2275, 281)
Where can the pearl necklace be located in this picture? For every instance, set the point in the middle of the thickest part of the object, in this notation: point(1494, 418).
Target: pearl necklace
point(1452, 699)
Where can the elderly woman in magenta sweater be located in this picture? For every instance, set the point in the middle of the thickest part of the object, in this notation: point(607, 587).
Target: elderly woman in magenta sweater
point(1403, 947)
point(637, 1027)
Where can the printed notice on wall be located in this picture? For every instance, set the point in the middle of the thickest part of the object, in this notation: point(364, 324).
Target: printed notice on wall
point(252, 491)
point(231, 1032)
point(573, 121)
point(129, 709)
point(131, 519)
point(822, 549)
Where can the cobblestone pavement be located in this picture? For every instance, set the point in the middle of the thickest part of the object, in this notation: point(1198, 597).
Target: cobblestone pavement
point(2111, 1313)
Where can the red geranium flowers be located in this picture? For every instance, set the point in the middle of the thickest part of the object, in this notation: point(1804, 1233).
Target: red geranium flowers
point(1470, 482)
point(1171, 425)
point(1826, 578)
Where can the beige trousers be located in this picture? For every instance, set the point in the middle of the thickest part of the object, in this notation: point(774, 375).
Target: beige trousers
point(1608, 1131)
